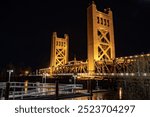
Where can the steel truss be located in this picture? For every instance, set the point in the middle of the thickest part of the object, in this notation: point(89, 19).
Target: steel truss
point(138, 65)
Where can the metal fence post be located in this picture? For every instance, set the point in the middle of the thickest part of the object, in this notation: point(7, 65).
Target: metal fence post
point(57, 87)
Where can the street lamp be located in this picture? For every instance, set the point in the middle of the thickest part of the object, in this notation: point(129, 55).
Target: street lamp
point(9, 71)
point(44, 77)
point(8, 85)
point(74, 77)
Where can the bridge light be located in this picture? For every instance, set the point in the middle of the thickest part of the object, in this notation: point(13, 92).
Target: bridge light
point(130, 56)
point(26, 73)
point(112, 74)
point(148, 54)
point(104, 73)
point(127, 74)
point(121, 74)
point(132, 74)
point(144, 74)
point(101, 74)
point(136, 56)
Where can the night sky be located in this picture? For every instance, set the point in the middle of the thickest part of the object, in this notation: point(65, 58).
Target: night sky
point(26, 28)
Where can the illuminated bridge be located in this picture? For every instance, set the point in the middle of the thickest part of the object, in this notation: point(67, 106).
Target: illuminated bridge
point(132, 72)
point(102, 61)
point(137, 66)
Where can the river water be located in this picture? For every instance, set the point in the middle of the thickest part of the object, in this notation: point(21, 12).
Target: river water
point(119, 94)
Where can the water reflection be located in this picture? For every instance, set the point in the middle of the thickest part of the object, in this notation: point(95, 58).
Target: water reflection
point(26, 86)
point(107, 95)
point(120, 93)
point(133, 91)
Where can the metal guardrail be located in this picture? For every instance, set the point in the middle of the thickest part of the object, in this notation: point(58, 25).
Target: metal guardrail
point(20, 90)
point(114, 74)
point(2, 85)
point(2, 90)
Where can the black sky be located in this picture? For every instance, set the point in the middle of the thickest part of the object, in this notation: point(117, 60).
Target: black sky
point(26, 28)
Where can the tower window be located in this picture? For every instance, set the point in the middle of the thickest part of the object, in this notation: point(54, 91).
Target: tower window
point(64, 44)
point(108, 23)
point(102, 21)
point(98, 20)
point(105, 22)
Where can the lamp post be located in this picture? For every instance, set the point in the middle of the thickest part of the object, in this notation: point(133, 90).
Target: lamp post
point(8, 85)
point(44, 83)
point(9, 71)
point(74, 78)
point(44, 78)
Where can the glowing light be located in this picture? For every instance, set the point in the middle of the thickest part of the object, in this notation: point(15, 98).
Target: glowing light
point(104, 73)
point(120, 93)
point(127, 74)
point(26, 86)
point(148, 54)
point(144, 74)
point(132, 74)
point(121, 74)
point(112, 74)
point(26, 72)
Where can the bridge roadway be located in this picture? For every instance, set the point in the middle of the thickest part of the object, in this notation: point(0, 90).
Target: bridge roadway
point(102, 75)
point(137, 66)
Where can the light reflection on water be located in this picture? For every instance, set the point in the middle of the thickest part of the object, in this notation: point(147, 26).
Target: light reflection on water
point(120, 94)
point(107, 95)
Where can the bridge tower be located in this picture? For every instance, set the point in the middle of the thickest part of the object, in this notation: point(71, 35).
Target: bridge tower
point(100, 34)
point(59, 51)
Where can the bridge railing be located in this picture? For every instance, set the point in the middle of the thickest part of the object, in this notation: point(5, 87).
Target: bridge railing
point(130, 75)
point(2, 89)
point(129, 64)
point(21, 90)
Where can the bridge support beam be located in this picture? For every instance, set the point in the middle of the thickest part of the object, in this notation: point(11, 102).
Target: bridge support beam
point(89, 86)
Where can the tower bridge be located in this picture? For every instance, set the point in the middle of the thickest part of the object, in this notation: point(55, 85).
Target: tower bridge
point(102, 61)
point(133, 72)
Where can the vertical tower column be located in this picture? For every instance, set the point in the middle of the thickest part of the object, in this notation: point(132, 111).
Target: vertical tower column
point(100, 34)
point(59, 51)
point(91, 35)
